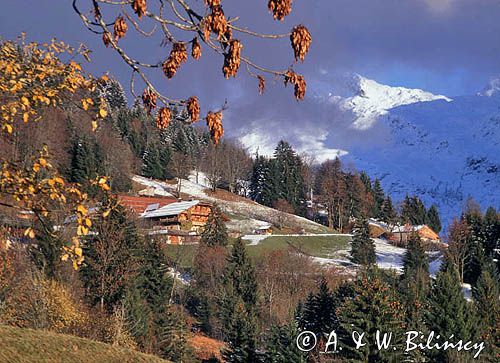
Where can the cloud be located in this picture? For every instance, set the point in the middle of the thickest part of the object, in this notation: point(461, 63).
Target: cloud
point(439, 6)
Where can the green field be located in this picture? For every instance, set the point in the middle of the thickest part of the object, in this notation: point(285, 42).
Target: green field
point(39, 346)
point(315, 245)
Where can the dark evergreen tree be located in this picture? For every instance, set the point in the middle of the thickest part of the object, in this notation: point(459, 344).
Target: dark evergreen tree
point(281, 345)
point(433, 220)
point(362, 246)
point(318, 312)
point(153, 166)
point(379, 198)
point(47, 249)
point(389, 214)
point(112, 91)
point(290, 181)
point(86, 160)
point(487, 298)
point(414, 286)
point(239, 310)
point(110, 258)
point(366, 181)
point(476, 242)
point(492, 235)
point(215, 232)
point(258, 179)
point(449, 312)
point(240, 334)
point(375, 307)
point(271, 190)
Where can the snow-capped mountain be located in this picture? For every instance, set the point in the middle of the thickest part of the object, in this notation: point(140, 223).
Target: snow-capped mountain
point(370, 100)
point(444, 150)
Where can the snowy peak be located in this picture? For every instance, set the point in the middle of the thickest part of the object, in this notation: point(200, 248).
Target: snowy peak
point(492, 88)
point(371, 99)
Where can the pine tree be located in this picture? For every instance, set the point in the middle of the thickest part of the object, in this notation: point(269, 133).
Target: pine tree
point(492, 235)
point(290, 181)
point(379, 197)
point(215, 232)
point(486, 295)
point(389, 214)
point(415, 282)
point(86, 160)
point(110, 258)
point(152, 166)
point(318, 312)
point(258, 179)
point(47, 249)
point(362, 246)
point(281, 345)
point(449, 313)
point(238, 304)
point(240, 334)
point(476, 241)
point(375, 307)
point(433, 220)
point(272, 190)
point(112, 91)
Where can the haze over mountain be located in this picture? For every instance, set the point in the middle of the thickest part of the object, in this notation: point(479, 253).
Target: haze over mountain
point(444, 149)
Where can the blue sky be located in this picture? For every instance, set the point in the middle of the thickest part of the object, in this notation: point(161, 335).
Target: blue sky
point(444, 46)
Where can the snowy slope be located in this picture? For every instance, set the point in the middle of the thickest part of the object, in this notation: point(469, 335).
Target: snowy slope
point(443, 151)
point(371, 99)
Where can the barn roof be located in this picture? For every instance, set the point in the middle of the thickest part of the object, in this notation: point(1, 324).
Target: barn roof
point(140, 204)
point(172, 209)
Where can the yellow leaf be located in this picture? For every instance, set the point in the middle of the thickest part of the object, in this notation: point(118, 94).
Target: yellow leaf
point(81, 209)
point(94, 125)
point(36, 167)
point(8, 128)
point(85, 105)
point(102, 180)
point(65, 257)
point(59, 180)
point(106, 213)
point(25, 101)
point(78, 251)
point(103, 113)
point(43, 162)
point(29, 232)
point(88, 222)
point(26, 116)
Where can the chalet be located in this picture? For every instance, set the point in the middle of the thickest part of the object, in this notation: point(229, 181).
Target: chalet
point(172, 220)
point(400, 234)
point(377, 228)
point(181, 222)
point(264, 229)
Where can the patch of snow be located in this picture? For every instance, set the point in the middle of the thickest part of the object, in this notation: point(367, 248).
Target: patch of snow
point(153, 187)
point(467, 291)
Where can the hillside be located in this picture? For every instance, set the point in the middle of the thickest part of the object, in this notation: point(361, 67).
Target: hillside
point(245, 215)
point(33, 346)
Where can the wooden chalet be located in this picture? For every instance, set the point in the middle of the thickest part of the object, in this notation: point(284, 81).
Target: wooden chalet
point(174, 221)
point(400, 235)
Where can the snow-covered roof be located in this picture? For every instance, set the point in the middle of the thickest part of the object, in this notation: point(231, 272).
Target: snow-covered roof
point(172, 209)
point(408, 228)
point(264, 226)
